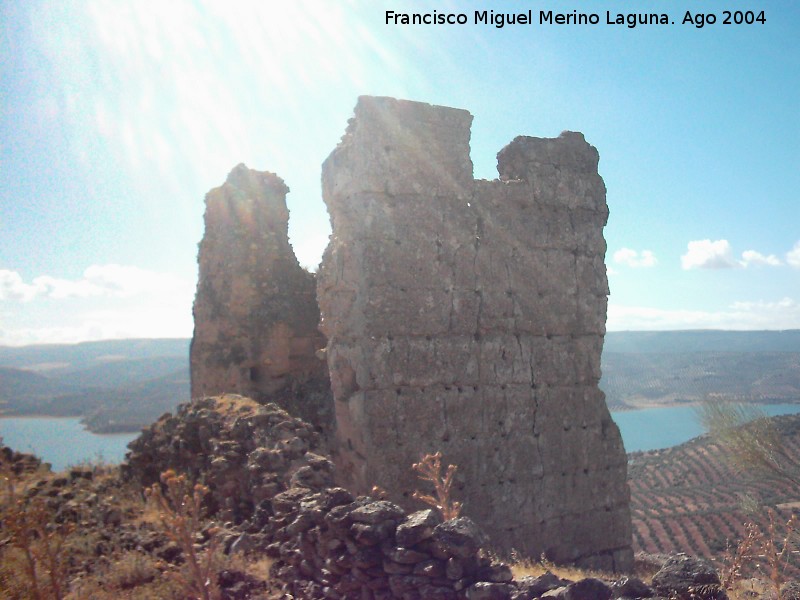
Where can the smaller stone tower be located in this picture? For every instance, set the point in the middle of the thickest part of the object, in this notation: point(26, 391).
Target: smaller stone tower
point(255, 312)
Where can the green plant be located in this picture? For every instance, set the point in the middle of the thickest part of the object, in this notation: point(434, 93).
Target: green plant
point(749, 437)
point(179, 505)
point(429, 468)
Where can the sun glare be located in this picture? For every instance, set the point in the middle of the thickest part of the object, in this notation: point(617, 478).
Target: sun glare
point(196, 79)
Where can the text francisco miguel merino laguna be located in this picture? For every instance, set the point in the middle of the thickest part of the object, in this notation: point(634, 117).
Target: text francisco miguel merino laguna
point(546, 17)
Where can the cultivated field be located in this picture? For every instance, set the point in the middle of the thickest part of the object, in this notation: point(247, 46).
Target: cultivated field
point(690, 499)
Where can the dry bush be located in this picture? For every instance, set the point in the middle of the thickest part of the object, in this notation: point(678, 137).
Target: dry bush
point(774, 551)
point(13, 585)
point(180, 514)
point(429, 468)
point(737, 558)
point(29, 528)
point(753, 443)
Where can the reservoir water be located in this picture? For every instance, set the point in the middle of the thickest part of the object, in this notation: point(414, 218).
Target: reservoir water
point(654, 428)
point(63, 441)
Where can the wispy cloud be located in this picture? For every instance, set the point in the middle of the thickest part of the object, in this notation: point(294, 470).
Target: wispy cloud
point(793, 256)
point(743, 315)
point(12, 287)
point(705, 254)
point(148, 320)
point(106, 302)
point(753, 258)
point(114, 281)
point(632, 258)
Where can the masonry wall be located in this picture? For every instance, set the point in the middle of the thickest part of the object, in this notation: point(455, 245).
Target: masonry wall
point(468, 317)
point(255, 311)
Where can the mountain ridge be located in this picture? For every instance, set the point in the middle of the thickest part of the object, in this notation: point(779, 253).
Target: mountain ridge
point(102, 381)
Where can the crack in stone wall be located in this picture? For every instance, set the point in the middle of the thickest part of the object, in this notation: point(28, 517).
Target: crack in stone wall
point(468, 316)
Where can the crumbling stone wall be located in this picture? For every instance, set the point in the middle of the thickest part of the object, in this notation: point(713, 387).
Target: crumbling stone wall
point(468, 317)
point(271, 483)
point(255, 311)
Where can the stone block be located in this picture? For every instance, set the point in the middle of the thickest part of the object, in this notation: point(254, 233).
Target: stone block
point(467, 316)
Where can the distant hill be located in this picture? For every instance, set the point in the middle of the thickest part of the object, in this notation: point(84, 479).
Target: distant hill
point(115, 385)
point(689, 498)
point(643, 369)
point(129, 407)
point(702, 340)
point(126, 371)
point(19, 383)
point(126, 384)
point(75, 357)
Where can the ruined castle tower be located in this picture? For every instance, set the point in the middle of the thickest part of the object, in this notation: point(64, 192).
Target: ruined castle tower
point(468, 317)
point(255, 311)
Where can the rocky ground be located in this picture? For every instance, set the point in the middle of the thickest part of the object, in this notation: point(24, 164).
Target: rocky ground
point(265, 521)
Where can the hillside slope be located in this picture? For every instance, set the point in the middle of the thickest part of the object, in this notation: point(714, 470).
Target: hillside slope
point(638, 380)
point(689, 499)
point(115, 385)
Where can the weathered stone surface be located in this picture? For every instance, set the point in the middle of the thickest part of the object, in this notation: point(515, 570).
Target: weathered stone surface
point(468, 317)
point(417, 527)
point(588, 589)
point(682, 572)
point(631, 587)
point(458, 538)
point(488, 591)
point(533, 587)
point(225, 441)
point(255, 311)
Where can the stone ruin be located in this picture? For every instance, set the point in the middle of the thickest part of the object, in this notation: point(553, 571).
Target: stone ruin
point(255, 312)
point(460, 315)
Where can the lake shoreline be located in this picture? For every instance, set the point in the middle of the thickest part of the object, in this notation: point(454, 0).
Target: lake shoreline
point(102, 431)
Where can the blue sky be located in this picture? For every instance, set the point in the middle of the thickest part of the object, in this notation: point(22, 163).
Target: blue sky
point(117, 118)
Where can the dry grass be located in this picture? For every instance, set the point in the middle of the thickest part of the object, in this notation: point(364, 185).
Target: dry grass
point(526, 567)
point(232, 405)
point(740, 589)
point(29, 528)
point(133, 576)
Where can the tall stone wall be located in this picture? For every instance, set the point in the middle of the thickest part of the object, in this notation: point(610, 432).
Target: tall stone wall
point(468, 317)
point(255, 311)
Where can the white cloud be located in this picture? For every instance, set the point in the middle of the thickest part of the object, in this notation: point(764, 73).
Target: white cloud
point(12, 287)
point(760, 314)
point(793, 256)
point(751, 257)
point(705, 254)
point(106, 302)
point(632, 258)
point(148, 320)
point(112, 281)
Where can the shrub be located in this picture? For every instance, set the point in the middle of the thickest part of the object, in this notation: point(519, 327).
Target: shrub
point(179, 506)
point(429, 468)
